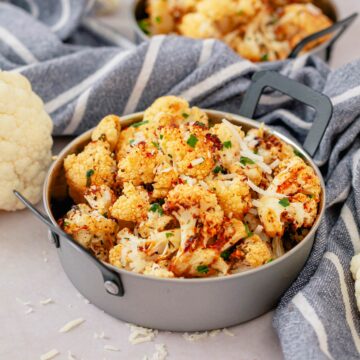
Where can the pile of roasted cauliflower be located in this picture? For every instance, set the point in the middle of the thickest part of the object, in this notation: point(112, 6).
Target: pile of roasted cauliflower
point(259, 30)
point(176, 196)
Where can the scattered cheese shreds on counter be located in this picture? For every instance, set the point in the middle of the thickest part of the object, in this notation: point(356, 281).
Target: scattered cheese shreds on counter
point(100, 336)
point(71, 356)
point(195, 336)
point(49, 355)
point(111, 348)
point(160, 353)
point(29, 311)
point(71, 325)
point(46, 301)
point(214, 333)
point(22, 302)
point(140, 334)
point(228, 332)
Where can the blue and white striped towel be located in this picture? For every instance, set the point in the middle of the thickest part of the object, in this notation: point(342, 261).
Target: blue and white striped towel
point(79, 83)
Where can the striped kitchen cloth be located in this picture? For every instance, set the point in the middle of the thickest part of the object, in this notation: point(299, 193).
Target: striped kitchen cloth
point(82, 75)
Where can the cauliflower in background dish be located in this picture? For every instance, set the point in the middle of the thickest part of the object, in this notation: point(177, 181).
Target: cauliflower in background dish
point(160, 19)
point(95, 165)
point(299, 21)
point(132, 205)
point(25, 141)
point(198, 26)
point(91, 229)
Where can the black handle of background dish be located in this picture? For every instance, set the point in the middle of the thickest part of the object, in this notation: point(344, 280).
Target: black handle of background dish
point(338, 27)
point(297, 91)
point(108, 275)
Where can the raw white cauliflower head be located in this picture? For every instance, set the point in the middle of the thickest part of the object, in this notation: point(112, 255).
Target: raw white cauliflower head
point(25, 141)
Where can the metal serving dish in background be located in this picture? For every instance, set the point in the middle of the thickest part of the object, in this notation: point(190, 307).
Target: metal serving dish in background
point(187, 304)
point(323, 50)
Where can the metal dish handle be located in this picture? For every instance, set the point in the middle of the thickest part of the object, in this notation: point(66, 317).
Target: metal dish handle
point(339, 27)
point(112, 281)
point(320, 102)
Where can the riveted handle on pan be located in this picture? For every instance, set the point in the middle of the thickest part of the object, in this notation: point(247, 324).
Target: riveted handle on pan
point(112, 280)
point(320, 102)
point(338, 29)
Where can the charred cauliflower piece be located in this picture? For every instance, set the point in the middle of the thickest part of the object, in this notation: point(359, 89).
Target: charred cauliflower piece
point(90, 229)
point(132, 205)
point(156, 221)
point(138, 165)
point(256, 251)
point(100, 197)
point(301, 187)
point(299, 21)
point(108, 130)
point(198, 263)
point(161, 19)
point(295, 177)
point(170, 105)
point(198, 213)
point(233, 194)
point(95, 165)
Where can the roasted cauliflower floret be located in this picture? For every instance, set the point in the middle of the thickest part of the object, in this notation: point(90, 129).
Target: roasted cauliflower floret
point(126, 253)
point(295, 177)
point(270, 212)
point(126, 139)
point(299, 21)
point(165, 179)
point(256, 251)
point(100, 197)
point(198, 263)
point(158, 271)
point(198, 26)
point(161, 19)
point(95, 165)
point(138, 165)
point(269, 146)
point(232, 231)
point(132, 205)
point(156, 221)
point(171, 105)
point(198, 213)
point(90, 229)
point(108, 130)
point(215, 10)
point(233, 194)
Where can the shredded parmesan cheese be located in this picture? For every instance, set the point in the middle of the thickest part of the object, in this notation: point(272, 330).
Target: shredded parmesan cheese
point(275, 164)
point(160, 353)
point(49, 355)
point(228, 332)
point(111, 348)
point(165, 170)
point(46, 301)
point(245, 151)
point(197, 161)
point(140, 334)
point(214, 333)
point(195, 336)
point(258, 229)
point(71, 356)
point(71, 325)
point(264, 192)
point(29, 310)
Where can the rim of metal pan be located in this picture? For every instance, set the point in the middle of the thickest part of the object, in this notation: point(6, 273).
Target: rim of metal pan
point(127, 120)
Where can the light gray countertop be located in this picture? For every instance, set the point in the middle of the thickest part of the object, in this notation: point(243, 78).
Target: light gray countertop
point(31, 272)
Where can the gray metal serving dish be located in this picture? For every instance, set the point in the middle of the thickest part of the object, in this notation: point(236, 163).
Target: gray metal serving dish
point(187, 304)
